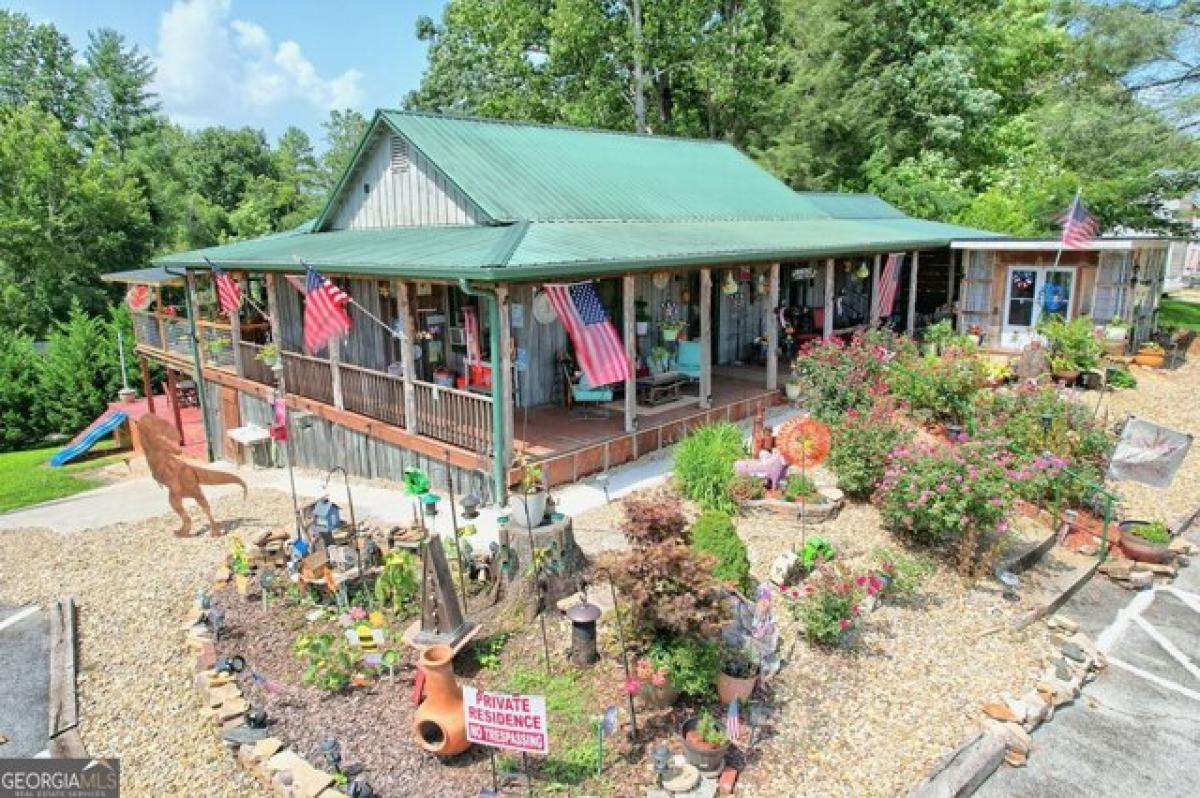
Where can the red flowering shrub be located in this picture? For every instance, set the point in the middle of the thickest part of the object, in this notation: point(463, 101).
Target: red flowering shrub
point(837, 376)
point(861, 444)
point(829, 604)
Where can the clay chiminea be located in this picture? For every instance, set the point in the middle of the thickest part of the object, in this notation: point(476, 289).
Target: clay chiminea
point(439, 725)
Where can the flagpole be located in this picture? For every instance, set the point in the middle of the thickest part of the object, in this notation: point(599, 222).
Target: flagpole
point(1063, 235)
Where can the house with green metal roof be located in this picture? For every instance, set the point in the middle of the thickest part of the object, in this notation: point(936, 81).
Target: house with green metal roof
point(445, 232)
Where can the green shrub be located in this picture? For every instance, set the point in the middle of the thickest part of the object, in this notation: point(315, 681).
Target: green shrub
point(714, 533)
point(903, 575)
point(861, 444)
point(1073, 344)
point(940, 387)
point(799, 486)
point(691, 664)
point(746, 488)
point(1120, 378)
point(1154, 532)
point(837, 376)
point(704, 465)
point(21, 420)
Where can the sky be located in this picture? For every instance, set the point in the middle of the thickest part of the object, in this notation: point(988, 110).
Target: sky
point(256, 62)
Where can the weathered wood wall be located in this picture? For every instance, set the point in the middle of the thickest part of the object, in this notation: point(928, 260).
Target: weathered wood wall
point(410, 193)
point(538, 348)
point(739, 318)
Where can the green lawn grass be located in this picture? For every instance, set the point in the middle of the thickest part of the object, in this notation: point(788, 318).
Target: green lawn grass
point(1180, 314)
point(26, 477)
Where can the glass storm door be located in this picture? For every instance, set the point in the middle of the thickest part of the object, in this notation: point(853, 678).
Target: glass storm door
point(1031, 293)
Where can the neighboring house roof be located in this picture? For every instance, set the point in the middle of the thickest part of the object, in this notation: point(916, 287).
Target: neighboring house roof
point(562, 201)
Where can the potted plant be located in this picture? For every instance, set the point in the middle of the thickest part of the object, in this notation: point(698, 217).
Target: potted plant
point(1150, 354)
point(975, 334)
point(739, 674)
point(704, 742)
point(268, 355)
point(670, 329)
point(1073, 346)
point(527, 504)
point(641, 316)
point(792, 387)
point(659, 360)
point(654, 682)
point(1115, 335)
point(1145, 541)
point(239, 564)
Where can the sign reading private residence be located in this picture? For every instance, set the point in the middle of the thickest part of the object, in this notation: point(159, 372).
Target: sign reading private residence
point(512, 722)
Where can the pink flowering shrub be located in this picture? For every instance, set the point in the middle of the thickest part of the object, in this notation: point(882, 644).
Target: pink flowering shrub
point(861, 443)
point(829, 604)
point(837, 376)
point(940, 387)
point(955, 497)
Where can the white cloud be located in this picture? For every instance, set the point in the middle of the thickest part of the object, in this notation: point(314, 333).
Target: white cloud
point(213, 68)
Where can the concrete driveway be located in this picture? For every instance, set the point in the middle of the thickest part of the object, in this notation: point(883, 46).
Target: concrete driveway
point(24, 680)
point(1135, 731)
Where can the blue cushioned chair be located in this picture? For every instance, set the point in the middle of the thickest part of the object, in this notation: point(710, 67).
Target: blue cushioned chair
point(687, 362)
point(588, 397)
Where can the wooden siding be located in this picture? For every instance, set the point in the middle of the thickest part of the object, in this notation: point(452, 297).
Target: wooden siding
point(734, 343)
point(538, 349)
point(377, 196)
point(318, 443)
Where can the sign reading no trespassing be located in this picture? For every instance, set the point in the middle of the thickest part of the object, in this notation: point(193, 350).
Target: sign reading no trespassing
point(512, 722)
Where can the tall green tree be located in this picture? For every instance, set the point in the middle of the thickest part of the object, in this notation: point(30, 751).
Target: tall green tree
point(37, 67)
point(119, 102)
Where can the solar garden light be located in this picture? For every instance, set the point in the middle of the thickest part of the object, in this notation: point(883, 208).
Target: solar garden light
point(661, 756)
point(256, 718)
point(359, 788)
point(266, 580)
point(602, 481)
point(1046, 420)
point(583, 617)
point(331, 749)
point(470, 507)
point(624, 649)
point(429, 504)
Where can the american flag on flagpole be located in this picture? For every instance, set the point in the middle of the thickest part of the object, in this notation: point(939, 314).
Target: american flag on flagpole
point(325, 316)
point(599, 349)
point(889, 282)
point(1079, 226)
point(733, 721)
point(229, 293)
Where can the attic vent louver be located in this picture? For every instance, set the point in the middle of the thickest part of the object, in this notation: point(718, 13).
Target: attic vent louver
point(399, 154)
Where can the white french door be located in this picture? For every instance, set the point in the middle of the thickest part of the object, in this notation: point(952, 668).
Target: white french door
point(1030, 293)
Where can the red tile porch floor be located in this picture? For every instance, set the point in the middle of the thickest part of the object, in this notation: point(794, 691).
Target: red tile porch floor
point(570, 447)
point(193, 424)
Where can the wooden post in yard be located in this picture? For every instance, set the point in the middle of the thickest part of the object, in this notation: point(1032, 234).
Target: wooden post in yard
point(407, 362)
point(235, 332)
point(335, 373)
point(771, 320)
point(912, 293)
point(273, 312)
point(173, 398)
point(627, 287)
point(506, 369)
point(827, 327)
point(147, 388)
point(874, 320)
point(706, 338)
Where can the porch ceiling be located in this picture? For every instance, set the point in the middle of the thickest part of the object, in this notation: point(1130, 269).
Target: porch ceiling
point(541, 250)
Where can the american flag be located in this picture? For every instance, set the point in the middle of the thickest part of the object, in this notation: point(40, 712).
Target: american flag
point(229, 293)
point(889, 281)
point(325, 314)
point(733, 721)
point(1079, 226)
point(599, 349)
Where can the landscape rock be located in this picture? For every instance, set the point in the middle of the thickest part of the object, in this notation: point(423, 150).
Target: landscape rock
point(683, 779)
point(1016, 759)
point(1016, 738)
point(1140, 580)
point(1063, 623)
point(1072, 650)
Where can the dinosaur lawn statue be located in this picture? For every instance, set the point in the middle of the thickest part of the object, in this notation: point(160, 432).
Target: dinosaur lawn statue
point(160, 443)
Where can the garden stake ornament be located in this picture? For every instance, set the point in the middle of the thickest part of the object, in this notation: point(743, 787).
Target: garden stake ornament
point(462, 579)
point(624, 650)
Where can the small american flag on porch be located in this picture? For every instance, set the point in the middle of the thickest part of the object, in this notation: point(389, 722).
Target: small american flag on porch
point(599, 349)
point(229, 293)
point(889, 282)
point(325, 316)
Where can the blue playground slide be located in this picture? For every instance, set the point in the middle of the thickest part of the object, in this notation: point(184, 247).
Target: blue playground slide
point(101, 428)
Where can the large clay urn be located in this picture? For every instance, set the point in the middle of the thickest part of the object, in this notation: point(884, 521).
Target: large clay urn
point(439, 725)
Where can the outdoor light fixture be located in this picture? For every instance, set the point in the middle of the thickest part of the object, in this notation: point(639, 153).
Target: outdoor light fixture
point(661, 756)
point(470, 506)
point(602, 481)
point(359, 788)
point(256, 718)
point(583, 617)
point(229, 665)
point(1046, 420)
point(331, 749)
point(612, 586)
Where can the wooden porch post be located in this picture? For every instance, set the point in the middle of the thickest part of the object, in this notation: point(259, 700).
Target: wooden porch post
point(950, 288)
point(406, 357)
point(912, 292)
point(173, 396)
point(335, 372)
point(874, 320)
point(273, 312)
point(827, 327)
point(706, 338)
point(506, 369)
point(235, 332)
point(627, 288)
point(772, 324)
point(147, 388)
point(190, 280)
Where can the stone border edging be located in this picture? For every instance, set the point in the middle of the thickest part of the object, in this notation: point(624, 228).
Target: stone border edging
point(65, 742)
point(279, 768)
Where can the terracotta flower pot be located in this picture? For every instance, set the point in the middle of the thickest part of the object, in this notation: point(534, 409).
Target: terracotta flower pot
point(1149, 357)
point(707, 758)
point(1138, 548)
point(438, 724)
point(242, 583)
point(731, 687)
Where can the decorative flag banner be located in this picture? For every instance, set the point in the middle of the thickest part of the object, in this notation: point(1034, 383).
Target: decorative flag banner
point(599, 349)
point(1148, 453)
point(889, 283)
point(266, 682)
point(229, 293)
point(139, 297)
point(325, 316)
point(512, 722)
point(1079, 226)
point(471, 334)
point(733, 721)
point(609, 723)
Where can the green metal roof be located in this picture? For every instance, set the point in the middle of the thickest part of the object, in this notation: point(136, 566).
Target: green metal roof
point(516, 171)
point(560, 249)
point(154, 275)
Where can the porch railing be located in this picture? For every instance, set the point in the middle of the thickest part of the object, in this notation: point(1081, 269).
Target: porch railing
point(164, 333)
point(216, 344)
point(178, 336)
point(308, 376)
point(373, 393)
point(147, 329)
point(252, 367)
point(459, 417)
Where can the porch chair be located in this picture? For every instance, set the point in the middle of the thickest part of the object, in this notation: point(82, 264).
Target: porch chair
point(582, 393)
point(687, 360)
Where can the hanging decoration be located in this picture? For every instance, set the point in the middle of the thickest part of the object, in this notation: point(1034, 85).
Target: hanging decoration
point(543, 308)
point(660, 279)
point(863, 272)
point(729, 286)
point(803, 442)
point(760, 284)
point(139, 297)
